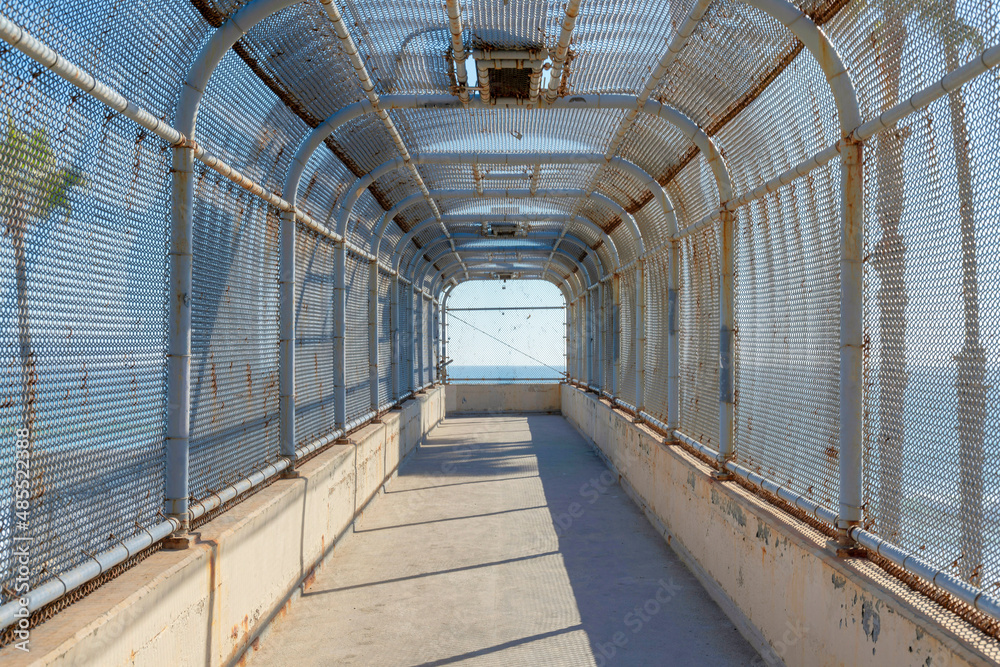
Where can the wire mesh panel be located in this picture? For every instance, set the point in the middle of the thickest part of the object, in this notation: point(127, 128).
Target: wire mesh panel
point(234, 340)
point(610, 351)
point(627, 341)
point(428, 330)
point(417, 335)
point(384, 338)
point(84, 196)
point(657, 272)
point(315, 367)
point(405, 321)
point(357, 374)
point(788, 336)
point(933, 320)
point(82, 325)
point(506, 332)
point(698, 310)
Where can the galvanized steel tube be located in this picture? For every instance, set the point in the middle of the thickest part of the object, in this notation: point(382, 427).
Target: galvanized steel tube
point(852, 331)
point(339, 336)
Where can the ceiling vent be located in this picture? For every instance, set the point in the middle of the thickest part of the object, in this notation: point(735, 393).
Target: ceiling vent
point(510, 74)
point(504, 230)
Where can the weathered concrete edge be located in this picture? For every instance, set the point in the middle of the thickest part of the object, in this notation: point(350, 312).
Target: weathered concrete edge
point(842, 603)
point(486, 399)
point(208, 604)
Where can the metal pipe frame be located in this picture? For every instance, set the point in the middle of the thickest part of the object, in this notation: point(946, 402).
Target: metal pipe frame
point(256, 11)
point(572, 280)
point(454, 9)
point(537, 270)
point(562, 49)
point(521, 159)
point(526, 218)
point(567, 262)
point(418, 228)
point(412, 200)
point(599, 262)
point(587, 250)
point(549, 275)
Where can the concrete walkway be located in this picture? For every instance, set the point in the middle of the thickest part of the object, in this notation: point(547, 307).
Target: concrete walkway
point(504, 541)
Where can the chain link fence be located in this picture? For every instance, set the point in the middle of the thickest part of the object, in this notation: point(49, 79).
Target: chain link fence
point(94, 233)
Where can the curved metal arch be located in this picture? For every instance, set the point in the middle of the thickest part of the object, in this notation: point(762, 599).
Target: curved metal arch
point(427, 222)
point(573, 281)
point(580, 243)
point(236, 26)
point(548, 276)
point(527, 217)
point(577, 241)
point(591, 280)
point(525, 159)
point(181, 239)
point(651, 107)
point(570, 263)
point(418, 198)
point(541, 273)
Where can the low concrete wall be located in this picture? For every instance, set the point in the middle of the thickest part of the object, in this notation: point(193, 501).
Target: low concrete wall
point(789, 595)
point(499, 398)
point(206, 605)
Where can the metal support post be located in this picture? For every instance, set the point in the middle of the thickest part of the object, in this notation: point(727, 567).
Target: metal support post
point(727, 343)
point(339, 336)
point(177, 443)
point(286, 352)
point(673, 339)
point(852, 242)
point(444, 336)
point(373, 333)
point(394, 335)
point(616, 331)
point(589, 341)
point(640, 338)
point(599, 337)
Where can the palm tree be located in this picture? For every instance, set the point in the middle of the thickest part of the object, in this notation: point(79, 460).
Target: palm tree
point(33, 185)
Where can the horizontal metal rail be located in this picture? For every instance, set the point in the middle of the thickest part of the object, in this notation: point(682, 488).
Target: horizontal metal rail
point(986, 60)
point(67, 582)
point(459, 380)
point(466, 310)
point(976, 598)
point(41, 53)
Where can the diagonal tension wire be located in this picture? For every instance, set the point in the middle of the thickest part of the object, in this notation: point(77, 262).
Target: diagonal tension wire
point(503, 343)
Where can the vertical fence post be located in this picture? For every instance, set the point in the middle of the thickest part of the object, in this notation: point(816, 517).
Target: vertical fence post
point(599, 337)
point(410, 337)
point(340, 334)
point(435, 340)
point(373, 333)
point(673, 338)
point(394, 336)
point(852, 240)
point(177, 442)
point(581, 348)
point(591, 352)
point(444, 336)
point(566, 330)
point(416, 351)
point(616, 331)
point(286, 358)
point(640, 338)
point(727, 304)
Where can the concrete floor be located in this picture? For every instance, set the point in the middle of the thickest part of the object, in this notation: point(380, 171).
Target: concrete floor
point(504, 541)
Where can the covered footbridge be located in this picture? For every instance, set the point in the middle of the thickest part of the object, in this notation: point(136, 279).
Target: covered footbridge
point(237, 423)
